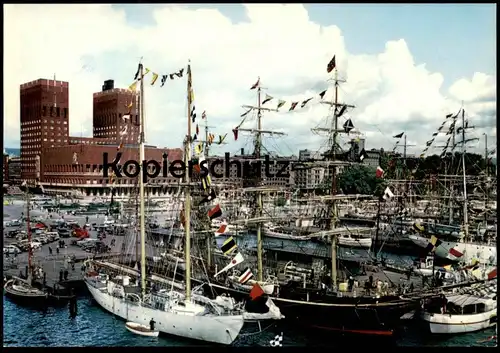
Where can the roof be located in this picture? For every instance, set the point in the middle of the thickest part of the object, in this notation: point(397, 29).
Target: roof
point(463, 300)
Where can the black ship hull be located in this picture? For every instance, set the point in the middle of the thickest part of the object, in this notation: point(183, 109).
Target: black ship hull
point(317, 310)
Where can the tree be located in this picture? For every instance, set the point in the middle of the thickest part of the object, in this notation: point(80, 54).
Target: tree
point(280, 202)
point(360, 179)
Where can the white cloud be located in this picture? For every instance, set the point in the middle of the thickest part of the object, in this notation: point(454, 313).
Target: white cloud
point(279, 43)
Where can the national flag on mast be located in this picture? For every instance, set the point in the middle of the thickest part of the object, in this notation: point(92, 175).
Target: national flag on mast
point(245, 276)
point(455, 252)
point(238, 259)
point(331, 65)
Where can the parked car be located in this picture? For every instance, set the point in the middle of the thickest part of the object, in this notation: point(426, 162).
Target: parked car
point(86, 241)
point(11, 249)
point(53, 236)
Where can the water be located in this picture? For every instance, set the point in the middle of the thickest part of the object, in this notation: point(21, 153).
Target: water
point(93, 326)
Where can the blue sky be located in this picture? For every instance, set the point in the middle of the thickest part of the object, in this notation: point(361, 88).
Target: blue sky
point(381, 50)
point(437, 34)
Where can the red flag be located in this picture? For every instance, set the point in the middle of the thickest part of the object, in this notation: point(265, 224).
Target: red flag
point(455, 253)
point(256, 291)
point(379, 173)
point(197, 130)
point(492, 274)
point(235, 132)
point(215, 212)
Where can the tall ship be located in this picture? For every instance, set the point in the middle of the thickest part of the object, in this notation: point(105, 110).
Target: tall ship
point(177, 310)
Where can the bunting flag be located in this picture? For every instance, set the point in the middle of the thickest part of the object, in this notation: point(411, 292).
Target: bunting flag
point(362, 155)
point(256, 291)
point(455, 252)
point(278, 339)
point(292, 107)
point(398, 136)
point(246, 113)
point(331, 65)
point(211, 138)
point(321, 95)
point(433, 244)
point(198, 149)
point(204, 115)
point(210, 197)
point(221, 230)
point(245, 276)
point(268, 98)
point(387, 194)
point(235, 133)
point(215, 212)
point(280, 103)
point(348, 126)
point(133, 87)
point(206, 180)
point(197, 130)
point(228, 246)
point(193, 114)
point(256, 84)
point(136, 76)
point(492, 274)
point(154, 78)
point(418, 227)
point(305, 102)
point(238, 259)
point(379, 173)
point(342, 111)
point(221, 139)
point(448, 116)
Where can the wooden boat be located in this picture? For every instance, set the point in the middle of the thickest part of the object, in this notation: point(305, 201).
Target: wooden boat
point(463, 314)
point(19, 291)
point(141, 330)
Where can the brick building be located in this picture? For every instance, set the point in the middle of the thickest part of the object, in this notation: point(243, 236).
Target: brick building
point(110, 106)
point(44, 118)
point(60, 162)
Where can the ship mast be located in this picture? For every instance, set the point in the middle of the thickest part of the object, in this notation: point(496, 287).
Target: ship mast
point(141, 183)
point(30, 247)
point(466, 220)
point(331, 155)
point(187, 194)
point(257, 153)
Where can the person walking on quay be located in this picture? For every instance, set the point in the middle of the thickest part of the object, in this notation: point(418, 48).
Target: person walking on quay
point(61, 275)
point(50, 250)
point(66, 274)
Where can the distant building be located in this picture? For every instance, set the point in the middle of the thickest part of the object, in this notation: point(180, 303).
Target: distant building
point(15, 171)
point(44, 122)
point(58, 162)
point(5, 167)
point(372, 158)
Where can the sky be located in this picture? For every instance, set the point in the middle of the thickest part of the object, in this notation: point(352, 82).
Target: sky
point(405, 67)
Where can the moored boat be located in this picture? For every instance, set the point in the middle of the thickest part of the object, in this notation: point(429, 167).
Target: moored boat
point(141, 330)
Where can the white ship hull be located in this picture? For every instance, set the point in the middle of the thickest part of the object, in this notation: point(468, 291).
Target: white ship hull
point(452, 324)
point(279, 235)
point(209, 328)
point(355, 243)
point(486, 254)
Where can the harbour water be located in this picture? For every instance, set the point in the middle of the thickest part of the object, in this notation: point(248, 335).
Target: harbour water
point(93, 326)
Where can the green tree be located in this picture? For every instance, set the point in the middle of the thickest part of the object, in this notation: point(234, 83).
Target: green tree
point(280, 202)
point(360, 179)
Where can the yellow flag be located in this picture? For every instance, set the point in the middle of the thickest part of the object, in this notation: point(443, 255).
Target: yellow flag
point(198, 149)
point(133, 86)
point(147, 71)
point(153, 80)
point(191, 95)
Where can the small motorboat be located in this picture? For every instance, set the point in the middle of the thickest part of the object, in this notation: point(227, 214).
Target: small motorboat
point(142, 330)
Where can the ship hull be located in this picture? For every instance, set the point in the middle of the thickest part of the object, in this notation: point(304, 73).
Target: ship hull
point(343, 315)
point(222, 330)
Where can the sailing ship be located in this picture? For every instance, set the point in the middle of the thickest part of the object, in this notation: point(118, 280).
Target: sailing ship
point(21, 290)
point(447, 246)
point(186, 314)
point(322, 306)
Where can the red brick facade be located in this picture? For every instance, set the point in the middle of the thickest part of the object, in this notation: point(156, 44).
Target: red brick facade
point(81, 165)
point(52, 157)
point(44, 122)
